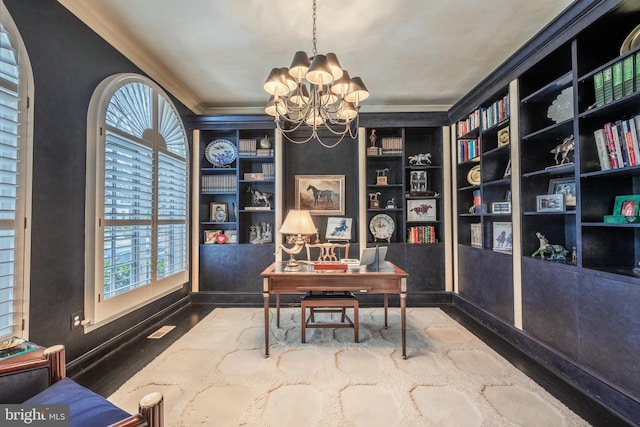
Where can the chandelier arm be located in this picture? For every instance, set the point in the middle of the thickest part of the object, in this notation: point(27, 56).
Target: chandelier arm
point(285, 133)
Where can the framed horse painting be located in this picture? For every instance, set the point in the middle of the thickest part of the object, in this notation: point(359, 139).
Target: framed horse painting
point(320, 194)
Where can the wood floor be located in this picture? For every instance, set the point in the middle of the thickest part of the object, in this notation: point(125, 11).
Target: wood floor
point(106, 376)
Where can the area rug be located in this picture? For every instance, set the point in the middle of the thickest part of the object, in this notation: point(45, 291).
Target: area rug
point(217, 375)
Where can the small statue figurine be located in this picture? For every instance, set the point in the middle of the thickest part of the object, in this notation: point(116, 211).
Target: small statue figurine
point(391, 203)
point(418, 159)
point(574, 256)
point(555, 252)
point(373, 137)
point(562, 150)
point(381, 176)
point(374, 203)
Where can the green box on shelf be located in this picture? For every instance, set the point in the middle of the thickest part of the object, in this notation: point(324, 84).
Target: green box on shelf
point(626, 210)
point(621, 219)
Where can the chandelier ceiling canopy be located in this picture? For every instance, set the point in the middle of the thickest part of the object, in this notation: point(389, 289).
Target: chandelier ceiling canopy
point(315, 92)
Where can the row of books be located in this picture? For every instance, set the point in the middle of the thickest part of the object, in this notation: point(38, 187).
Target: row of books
point(269, 171)
point(617, 144)
point(470, 123)
point(618, 80)
point(468, 149)
point(391, 145)
point(422, 234)
point(249, 148)
point(495, 113)
point(218, 183)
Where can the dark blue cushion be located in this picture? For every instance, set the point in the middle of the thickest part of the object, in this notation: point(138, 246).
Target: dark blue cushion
point(86, 408)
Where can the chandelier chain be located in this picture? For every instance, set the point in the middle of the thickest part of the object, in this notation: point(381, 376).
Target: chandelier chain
point(315, 50)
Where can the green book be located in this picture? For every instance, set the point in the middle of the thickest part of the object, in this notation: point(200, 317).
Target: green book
point(627, 75)
point(637, 72)
point(598, 86)
point(607, 79)
point(617, 80)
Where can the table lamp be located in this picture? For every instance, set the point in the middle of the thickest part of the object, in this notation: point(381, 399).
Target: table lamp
point(297, 222)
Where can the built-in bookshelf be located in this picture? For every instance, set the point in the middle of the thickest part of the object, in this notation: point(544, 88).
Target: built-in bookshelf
point(404, 184)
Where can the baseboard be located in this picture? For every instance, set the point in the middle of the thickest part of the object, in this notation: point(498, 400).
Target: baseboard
point(623, 408)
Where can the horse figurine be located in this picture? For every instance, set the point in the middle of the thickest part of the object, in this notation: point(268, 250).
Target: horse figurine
point(562, 150)
point(555, 252)
point(418, 159)
point(320, 194)
point(258, 197)
point(382, 172)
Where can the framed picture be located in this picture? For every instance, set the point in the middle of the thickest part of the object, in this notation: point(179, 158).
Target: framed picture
point(320, 194)
point(210, 236)
point(218, 212)
point(627, 205)
point(232, 236)
point(550, 203)
point(503, 136)
point(507, 170)
point(502, 236)
point(501, 207)
point(476, 235)
point(566, 186)
point(421, 210)
point(338, 228)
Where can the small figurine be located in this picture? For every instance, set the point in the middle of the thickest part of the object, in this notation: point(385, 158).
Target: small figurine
point(391, 203)
point(562, 150)
point(374, 203)
point(418, 159)
point(574, 256)
point(373, 137)
point(381, 176)
point(555, 252)
point(259, 197)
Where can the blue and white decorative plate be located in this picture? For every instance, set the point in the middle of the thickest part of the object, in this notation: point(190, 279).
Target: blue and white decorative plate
point(221, 152)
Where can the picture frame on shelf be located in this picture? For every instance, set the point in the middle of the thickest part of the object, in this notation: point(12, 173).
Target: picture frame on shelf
point(218, 212)
point(550, 203)
point(421, 210)
point(320, 194)
point(503, 136)
point(210, 236)
point(565, 186)
point(476, 235)
point(501, 207)
point(232, 236)
point(338, 228)
point(627, 206)
point(507, 170)
point(502, 237)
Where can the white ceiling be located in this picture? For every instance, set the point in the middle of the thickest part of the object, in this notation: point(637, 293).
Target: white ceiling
point(413, 55)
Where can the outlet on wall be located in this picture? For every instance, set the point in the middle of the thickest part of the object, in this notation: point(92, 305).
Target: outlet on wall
point(76, 320)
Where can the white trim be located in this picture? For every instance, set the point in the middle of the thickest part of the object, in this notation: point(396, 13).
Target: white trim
point(98, 314)
point(516, 223)
point(454, 207)
point(447, 196)
point(195, 213)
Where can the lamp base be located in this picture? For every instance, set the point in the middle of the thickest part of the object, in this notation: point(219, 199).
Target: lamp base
point(292, 265)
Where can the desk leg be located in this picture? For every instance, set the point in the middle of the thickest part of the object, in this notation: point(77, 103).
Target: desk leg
point(265, 296)
point(403, 320)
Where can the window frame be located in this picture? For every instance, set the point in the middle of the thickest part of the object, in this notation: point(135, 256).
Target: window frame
point(22, 222)
point(98, 311)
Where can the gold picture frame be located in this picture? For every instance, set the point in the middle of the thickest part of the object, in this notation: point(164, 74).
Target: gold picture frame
point(320, 194)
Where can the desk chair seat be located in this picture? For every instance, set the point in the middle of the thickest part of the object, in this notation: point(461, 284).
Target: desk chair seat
point(329, 303)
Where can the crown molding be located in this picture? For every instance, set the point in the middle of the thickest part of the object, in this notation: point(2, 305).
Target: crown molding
point(142, 59)
point(368, 109)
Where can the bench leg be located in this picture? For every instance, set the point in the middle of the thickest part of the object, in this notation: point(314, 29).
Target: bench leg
point(303, 324)
point(356, 325)
point(386, 309)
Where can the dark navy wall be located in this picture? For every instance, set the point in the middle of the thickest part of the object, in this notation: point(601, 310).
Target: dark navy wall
point(68, 60)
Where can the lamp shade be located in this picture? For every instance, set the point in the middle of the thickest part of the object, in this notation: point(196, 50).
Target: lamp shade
point(341, 86)
point(298, 222)
point(299, 65)
point(275, 83)
point(357, 91)
point(334, 65)
point(319, 72)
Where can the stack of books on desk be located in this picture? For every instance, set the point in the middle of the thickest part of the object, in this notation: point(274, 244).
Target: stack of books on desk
point(16, 349)
point(327, 267)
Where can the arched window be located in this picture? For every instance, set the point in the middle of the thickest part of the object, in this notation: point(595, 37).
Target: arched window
point(16, 128)
point(136, 198)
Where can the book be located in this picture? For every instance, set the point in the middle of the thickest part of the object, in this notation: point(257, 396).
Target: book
point(616, 77)
point(627, 76)
point(476, 235)
point(603, 151)
point(611, 146)
point(607, 83)
point(330, 266)
point(257, 208)
point(631, 154)
point(621, 144)
point(598, 86)
point(636, 72)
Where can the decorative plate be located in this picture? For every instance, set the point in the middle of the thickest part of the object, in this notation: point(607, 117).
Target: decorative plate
point(474, 175)
point(631, 42)
point(382, 226)
point(221, 152)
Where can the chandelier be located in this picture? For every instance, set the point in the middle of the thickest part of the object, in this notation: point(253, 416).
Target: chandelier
point(315, 92)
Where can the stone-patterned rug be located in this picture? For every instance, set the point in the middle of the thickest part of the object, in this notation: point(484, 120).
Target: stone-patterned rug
point(217, 375)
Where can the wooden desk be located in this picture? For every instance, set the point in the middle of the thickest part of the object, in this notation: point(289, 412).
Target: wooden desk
point(388, 280)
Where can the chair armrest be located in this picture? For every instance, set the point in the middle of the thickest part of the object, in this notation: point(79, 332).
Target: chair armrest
point(150, 413)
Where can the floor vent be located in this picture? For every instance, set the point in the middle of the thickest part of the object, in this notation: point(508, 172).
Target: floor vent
point(161, 332)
